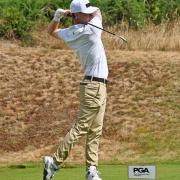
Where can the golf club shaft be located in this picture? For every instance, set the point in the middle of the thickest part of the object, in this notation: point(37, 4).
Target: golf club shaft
point(70, 15)
point(109, 32)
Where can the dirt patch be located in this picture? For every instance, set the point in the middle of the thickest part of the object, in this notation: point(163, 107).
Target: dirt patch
point(39, 103)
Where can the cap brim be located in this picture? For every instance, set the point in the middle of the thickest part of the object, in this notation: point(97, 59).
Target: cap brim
point(90, 10)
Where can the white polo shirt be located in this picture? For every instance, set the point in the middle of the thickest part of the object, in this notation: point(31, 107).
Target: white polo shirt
point(86, 41)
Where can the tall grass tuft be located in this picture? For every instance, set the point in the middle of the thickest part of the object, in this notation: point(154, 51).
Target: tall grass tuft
point(164, 37)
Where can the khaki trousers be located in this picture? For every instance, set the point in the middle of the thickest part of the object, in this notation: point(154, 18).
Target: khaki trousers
point(89, 122)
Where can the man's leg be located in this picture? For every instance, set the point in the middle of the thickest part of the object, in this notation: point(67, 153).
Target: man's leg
point(78, 130)
point(90, 103)
point(95, 130)
point(89, 108)
point(93, 137)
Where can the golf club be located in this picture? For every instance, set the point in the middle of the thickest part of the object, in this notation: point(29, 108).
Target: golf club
point(109, 32)
point(114, 34)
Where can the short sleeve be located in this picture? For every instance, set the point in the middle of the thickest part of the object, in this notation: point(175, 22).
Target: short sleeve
point(62, 34)
point(74, 32)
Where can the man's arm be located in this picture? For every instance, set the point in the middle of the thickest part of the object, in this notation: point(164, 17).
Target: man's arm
point(53, 28)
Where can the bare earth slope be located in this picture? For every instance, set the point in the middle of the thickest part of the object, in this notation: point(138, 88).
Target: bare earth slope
point(39, 103)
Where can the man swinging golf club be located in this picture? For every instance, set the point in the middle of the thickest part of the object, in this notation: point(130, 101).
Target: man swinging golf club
point(85, 40)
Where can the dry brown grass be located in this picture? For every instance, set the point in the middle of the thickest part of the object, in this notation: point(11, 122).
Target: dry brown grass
point(164, 37)
point(39, 103)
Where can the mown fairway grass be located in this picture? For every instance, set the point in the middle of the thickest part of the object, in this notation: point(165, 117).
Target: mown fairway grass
point(109, 172)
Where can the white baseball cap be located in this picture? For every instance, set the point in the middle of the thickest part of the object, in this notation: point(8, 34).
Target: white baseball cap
point(83, 6)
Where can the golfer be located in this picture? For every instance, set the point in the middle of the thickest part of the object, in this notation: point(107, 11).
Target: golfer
point(85, 40)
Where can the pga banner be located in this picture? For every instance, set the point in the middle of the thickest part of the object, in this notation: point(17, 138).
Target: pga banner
point(142, 172)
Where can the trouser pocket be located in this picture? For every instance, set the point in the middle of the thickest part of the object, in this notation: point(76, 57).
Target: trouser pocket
point(92, 94)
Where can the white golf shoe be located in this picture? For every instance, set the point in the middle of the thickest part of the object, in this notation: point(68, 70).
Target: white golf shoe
point(92, 174)
point(49, 168)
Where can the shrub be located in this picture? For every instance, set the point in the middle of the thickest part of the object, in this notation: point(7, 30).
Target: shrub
point(14, 24)
point(19, 17)
point(117, 11)
point(161, 10)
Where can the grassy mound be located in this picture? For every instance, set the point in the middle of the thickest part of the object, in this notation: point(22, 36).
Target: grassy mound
point(39, 103)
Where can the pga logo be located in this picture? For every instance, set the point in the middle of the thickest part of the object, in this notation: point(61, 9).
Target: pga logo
point(142, 172)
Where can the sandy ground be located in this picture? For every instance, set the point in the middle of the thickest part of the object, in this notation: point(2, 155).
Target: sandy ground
point(39, 89)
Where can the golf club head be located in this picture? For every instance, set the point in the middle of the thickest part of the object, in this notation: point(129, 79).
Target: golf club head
point(122, 38)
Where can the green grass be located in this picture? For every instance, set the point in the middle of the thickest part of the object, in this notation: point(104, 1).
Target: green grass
point(165, 171)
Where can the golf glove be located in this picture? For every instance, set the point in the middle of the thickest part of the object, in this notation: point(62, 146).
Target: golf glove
point(58, 15)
